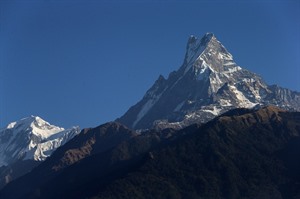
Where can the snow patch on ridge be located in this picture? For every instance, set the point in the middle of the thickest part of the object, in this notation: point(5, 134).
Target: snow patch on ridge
point(242, 100)
point(224, 102)
point(202, 71)
point(215, 111)
point(11, 125)
point(233, 69)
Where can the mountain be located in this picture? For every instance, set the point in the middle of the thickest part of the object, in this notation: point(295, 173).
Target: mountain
point(243, 153)
point(31, 138)
point(92, 154)
point(25, 143)
point(208, 83)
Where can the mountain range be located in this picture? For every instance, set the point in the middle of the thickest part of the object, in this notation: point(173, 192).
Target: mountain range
point(208, 83)
point(243, 153)
point(212, 129)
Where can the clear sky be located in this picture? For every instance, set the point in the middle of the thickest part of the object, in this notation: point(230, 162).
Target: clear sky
point(86, 62)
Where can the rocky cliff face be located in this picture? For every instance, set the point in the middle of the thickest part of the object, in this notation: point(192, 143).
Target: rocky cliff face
point(208, 83)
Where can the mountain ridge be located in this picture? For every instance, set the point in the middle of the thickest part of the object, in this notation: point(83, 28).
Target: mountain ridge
point(241, 154)
point(207, 84)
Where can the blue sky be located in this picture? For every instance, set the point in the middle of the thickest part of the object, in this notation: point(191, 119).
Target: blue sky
point(86, 62)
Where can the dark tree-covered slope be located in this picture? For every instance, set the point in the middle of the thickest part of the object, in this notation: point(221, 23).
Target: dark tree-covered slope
point(241, 154)
point(252, 155)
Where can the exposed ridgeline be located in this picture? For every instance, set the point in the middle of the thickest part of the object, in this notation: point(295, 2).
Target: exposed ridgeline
point(208, 83)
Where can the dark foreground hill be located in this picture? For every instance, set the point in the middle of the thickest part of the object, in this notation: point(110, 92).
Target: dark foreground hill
point(241, 154)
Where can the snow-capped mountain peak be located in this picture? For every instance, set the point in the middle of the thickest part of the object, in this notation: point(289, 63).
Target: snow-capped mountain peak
point(195, 48)
point(201, 51)
point(38, 126)
point(31, 138)
point(208, 83)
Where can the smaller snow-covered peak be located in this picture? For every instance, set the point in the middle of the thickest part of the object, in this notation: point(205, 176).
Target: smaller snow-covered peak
point(39, 121)
point(36, 124)
point(28, 121)
point(32, 138)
